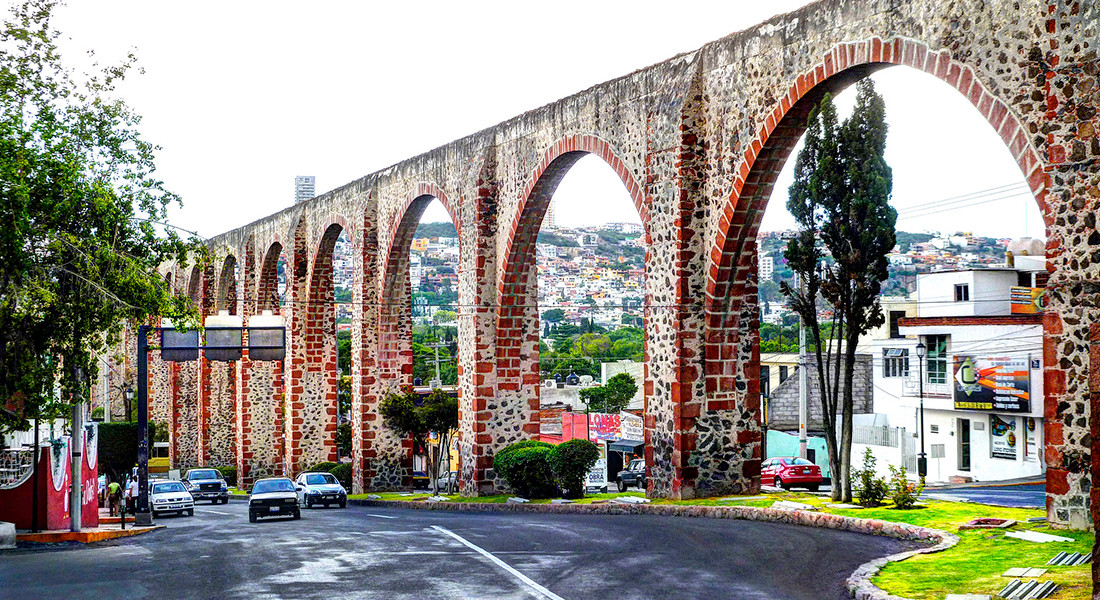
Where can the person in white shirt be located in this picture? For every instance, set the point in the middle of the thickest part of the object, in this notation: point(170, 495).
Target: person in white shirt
point(131, 495)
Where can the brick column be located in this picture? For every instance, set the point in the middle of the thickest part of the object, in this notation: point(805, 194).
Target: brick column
point(366, 424)
point(296, 310)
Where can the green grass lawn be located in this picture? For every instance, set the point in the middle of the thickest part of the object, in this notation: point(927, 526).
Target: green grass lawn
point(974, 565)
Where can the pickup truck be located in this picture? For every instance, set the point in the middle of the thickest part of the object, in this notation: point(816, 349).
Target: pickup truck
point(633, 474)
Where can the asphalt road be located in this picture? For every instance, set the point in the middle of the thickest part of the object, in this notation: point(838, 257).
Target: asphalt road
point(1031, 495)
point(375, 553)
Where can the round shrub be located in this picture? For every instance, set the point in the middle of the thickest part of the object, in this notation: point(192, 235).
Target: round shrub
point(570, 462)
point(526, 467)
point(342, 473)
point(324, 467)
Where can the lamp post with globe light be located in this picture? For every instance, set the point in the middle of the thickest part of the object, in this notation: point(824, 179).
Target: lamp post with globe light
point(922, 460)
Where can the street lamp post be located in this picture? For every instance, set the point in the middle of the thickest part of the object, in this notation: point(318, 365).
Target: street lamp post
point(922, 459)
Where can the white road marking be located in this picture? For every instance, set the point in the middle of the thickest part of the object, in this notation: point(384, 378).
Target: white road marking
point(500, 563)
point(380, 516)
point(217, 512)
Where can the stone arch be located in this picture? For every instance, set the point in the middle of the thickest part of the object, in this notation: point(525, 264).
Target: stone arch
point(517, 335)
point(227, 285)
point(194, 284)
point(267, 284)
point(395, 314)
point(731, 349)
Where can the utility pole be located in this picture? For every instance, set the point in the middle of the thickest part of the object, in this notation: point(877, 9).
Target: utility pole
point(76, 495)
point(803, 400)
point(76, 505)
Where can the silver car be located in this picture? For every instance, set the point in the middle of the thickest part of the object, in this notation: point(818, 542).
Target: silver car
point(320, 488)
point(170, 496)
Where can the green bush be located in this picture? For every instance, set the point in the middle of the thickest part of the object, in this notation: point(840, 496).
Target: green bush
point(903, 492)
point(342, 473)
point(324, 467)
point(97, 413)
point(526, 467)
point(570, 462)
point(869, 488)
point(229, 474)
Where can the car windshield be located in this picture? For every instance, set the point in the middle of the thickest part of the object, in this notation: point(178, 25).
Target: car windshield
point(204, 474)
point(163, 488)
point(798, 461)
point(320, 479)
point(275, 485)
point(637, 464)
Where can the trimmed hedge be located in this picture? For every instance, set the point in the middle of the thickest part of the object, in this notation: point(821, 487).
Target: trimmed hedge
point(342, 473)
point(324, 467)
point(229, 474)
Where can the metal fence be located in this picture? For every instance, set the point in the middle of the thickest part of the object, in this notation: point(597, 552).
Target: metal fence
point(15, 467)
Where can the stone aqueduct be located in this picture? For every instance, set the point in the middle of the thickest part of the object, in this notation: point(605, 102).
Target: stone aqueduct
point(698, 141)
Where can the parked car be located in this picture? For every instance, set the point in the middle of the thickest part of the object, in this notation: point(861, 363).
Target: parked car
point(170, 496)
point(207, 484)
point(320, 488)
point(273, 497)
point(633, 474)
point(790, 471)
point(420, 480)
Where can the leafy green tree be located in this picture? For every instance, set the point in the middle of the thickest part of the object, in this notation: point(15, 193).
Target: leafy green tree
point(840, 199)
point(611, 397)
point(343, 350)
point(409, 415)
point(81, 208)
point(554, 315)
point(570, 462)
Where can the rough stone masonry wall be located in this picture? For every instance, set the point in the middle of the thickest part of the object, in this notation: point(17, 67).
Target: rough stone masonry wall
point(783, 404)
point(698, 141)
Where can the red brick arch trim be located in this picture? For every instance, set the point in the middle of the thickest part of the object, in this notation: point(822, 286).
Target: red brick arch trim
point(267, 281)
point(402, 230)
point(761, 162)
point(319, 233)
point(555, 161)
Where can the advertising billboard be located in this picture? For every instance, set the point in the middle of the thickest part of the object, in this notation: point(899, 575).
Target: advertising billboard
point(1001, 384)
point(1003, 438)
point(1027, 300)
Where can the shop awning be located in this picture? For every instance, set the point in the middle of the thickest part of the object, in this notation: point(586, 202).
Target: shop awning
point(625, 445)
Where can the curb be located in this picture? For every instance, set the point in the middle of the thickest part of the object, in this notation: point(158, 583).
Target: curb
point(84, 537)
point(858, 584)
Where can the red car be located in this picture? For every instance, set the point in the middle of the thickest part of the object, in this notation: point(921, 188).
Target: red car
point(790, 471)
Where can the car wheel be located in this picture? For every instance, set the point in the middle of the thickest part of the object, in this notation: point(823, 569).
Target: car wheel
point(622, 485)
point(309, 503)
point(190, 512)
point(812, 487)
point(297, 514)
point(225, 500)
point(641, 483)
point(251, 517)
point(343, 504)
point(779, 483)
point(153, 514)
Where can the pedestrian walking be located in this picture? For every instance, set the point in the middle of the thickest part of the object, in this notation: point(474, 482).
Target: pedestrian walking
point(114, 493)
point(131, 495)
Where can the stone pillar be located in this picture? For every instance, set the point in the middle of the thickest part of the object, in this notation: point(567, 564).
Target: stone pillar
point(366, 424)
point(296, 311)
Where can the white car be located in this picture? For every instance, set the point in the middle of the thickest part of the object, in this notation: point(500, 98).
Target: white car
point(320, 488)
point(170, 496)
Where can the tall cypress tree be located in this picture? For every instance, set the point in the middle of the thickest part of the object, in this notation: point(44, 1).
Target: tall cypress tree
point(840, 199)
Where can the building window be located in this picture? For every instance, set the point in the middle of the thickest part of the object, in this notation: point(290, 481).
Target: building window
point(937, 358)
point(895, 316)
point(895, 362)
point(933, 429)
point(782, 373)
point(962, 292)
point(766, 381)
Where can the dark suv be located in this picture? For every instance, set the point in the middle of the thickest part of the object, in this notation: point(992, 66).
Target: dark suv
point(207, 484)
point(633, 474)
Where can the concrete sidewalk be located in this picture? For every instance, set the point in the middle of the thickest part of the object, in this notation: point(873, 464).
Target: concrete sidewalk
point(109, 528)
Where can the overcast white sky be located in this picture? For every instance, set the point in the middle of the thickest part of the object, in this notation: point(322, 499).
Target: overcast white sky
point(242, 96)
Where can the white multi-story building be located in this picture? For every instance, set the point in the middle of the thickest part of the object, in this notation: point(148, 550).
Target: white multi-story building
point(973, 353)
point(766, 266)
point(304, 188)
